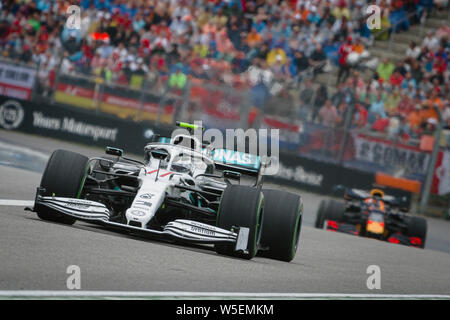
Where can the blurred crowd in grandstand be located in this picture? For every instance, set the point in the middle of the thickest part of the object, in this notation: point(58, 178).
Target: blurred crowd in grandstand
point(264, 46)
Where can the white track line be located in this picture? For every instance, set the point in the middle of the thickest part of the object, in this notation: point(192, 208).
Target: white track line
point(184, 294)
point(16, 203)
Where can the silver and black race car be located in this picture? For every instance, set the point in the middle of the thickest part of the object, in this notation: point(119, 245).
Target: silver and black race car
point(372, 214)
point(182, 190)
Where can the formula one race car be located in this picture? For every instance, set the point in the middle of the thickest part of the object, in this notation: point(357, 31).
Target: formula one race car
point(183, 190)
point(373, 214)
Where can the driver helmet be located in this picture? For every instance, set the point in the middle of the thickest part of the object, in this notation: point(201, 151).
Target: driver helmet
point(376, 193)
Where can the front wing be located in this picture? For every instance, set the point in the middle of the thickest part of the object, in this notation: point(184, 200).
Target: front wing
point(397, 238)
point(180, 229)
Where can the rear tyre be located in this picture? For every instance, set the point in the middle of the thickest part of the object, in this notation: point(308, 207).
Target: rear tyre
point(417, 227)
point(64, 176)
point(330, 210)
point(241, 206)
point(282, 224)
point(319, 216)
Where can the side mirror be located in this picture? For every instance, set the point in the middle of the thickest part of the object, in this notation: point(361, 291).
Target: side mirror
point(232, 175)
point(159, 154)
point(114, 151)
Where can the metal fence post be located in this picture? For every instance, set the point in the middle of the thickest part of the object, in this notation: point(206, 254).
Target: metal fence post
point(431, 164)
point(347, 125)
point(57, 78)
point(423, 20)
point(162, 102)
point(391, 39)
point(36, 84)
point(245, 109)
point(141, 99)
point(186, 97)
point(98, 94)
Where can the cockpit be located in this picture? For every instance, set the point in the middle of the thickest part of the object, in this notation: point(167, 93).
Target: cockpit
point(178, 159)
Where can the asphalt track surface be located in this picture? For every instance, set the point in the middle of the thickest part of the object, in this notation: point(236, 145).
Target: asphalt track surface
point(34, 254)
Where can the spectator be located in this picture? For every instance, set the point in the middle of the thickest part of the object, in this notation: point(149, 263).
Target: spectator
point(320, 98)
point(400, 68)
point(392, 102)
point(413, 51)
point(396, 79)
point(301, 62)
point(339, 95)
point(342, 110)
point(416, 71)
point(397, 16)
point(328, 115)
point(405, 106)
point(344, 67)
point(226, 43)
point(431, 42)
point(317, 60)
point(385, 69)
point(376, 110)
point(306, 98)
point(414, 120)
point(360, 116)
point(409, 82)
point(385, 24)
point(178, 79)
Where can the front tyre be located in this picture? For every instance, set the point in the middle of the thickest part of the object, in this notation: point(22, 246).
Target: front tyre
point(330, 210)
point(64, 176)
point(417, 227)
point(241, 206)
point(282, 224)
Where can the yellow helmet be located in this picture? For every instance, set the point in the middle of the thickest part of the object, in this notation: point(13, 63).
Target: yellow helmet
point(377, 193)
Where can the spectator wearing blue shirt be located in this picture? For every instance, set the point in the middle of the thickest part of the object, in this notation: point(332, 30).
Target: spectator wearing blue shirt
point(313, 16)
point(259, 25)
point(105, 50)
point(376, 109)
point(43, 5)
point(409, 81)
point(102, 4)
point(138, 23)
point(441, 54)
point(85, 4)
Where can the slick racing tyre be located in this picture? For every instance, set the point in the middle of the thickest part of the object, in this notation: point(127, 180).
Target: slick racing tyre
point(63, 177)
point(282, 224)
point(417, 227)
point(241, 206)
point(329, 210)
point(319, 215)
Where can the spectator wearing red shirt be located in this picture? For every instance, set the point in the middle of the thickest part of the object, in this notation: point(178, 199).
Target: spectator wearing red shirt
point(396, 79)
point(360, 116)
point(439, 69)
point(344, 68)
point(406, 105)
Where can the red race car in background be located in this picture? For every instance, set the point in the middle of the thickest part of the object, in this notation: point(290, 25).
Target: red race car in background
point(372, 214)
